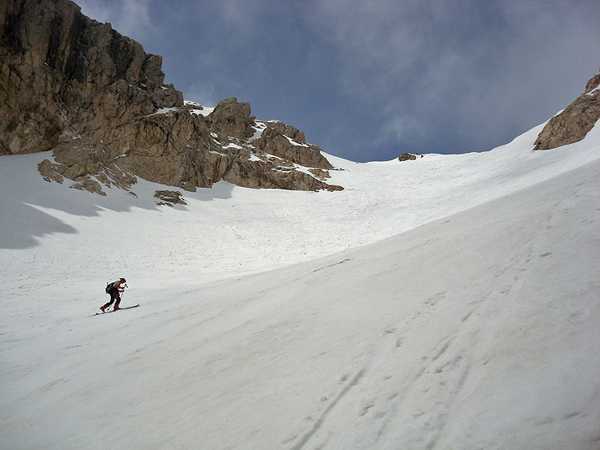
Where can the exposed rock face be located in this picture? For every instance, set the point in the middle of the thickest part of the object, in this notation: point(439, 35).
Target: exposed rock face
point(94, 97)
point(577, 119)
point(66, 75)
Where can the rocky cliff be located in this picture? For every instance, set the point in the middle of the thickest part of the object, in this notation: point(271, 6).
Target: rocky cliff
point(575, 121)
point(94, 97)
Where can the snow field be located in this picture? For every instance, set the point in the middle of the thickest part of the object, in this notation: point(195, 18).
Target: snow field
point(468, 332)
point(448, 302)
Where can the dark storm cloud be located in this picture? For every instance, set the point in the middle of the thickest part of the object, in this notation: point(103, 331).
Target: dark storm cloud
point(370, 79)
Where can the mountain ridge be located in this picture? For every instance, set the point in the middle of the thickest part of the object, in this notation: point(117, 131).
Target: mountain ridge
point(99, 102)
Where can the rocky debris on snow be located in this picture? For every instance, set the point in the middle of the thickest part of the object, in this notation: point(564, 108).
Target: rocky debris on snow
point(169, 198)
point(575, 121)
point(94, 97)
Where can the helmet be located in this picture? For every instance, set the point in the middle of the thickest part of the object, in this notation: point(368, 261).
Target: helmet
point(123, 280)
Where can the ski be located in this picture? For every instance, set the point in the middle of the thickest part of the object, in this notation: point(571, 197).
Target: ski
point(120, 309)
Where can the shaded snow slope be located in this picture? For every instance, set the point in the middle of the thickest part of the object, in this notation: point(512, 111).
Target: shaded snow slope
point(479, 330)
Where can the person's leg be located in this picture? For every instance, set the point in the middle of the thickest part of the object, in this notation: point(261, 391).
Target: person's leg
point(113, 296)
point(107, 304)
point(118, 300)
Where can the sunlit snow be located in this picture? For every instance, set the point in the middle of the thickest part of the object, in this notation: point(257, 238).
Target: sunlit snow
point(445, 303)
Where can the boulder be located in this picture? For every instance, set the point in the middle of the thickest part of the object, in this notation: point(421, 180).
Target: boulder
point(169, 198)
point(406, 157)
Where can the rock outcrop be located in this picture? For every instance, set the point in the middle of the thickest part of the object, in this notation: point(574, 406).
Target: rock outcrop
point(230, 118)
point(94, 97)
point(289, 143)
point(575, 121)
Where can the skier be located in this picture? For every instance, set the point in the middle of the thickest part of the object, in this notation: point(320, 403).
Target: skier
point(114, 289)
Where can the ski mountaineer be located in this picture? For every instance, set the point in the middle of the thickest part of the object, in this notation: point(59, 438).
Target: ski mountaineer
point(114, 289)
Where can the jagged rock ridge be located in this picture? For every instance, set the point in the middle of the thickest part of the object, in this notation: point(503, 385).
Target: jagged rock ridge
point(94, 97)
point(575, 121)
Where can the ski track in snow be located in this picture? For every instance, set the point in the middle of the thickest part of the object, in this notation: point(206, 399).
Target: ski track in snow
point(472, 323)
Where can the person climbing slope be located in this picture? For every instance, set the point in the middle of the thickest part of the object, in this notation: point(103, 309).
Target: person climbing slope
point(114, 289)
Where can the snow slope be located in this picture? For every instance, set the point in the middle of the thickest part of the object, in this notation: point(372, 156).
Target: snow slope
point(468, 328)
point(57, 233)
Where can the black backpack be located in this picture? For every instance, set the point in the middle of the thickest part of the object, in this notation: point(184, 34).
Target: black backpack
point(109, 287)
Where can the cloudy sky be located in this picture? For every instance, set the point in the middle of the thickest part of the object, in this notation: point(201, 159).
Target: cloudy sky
point(369, 79)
